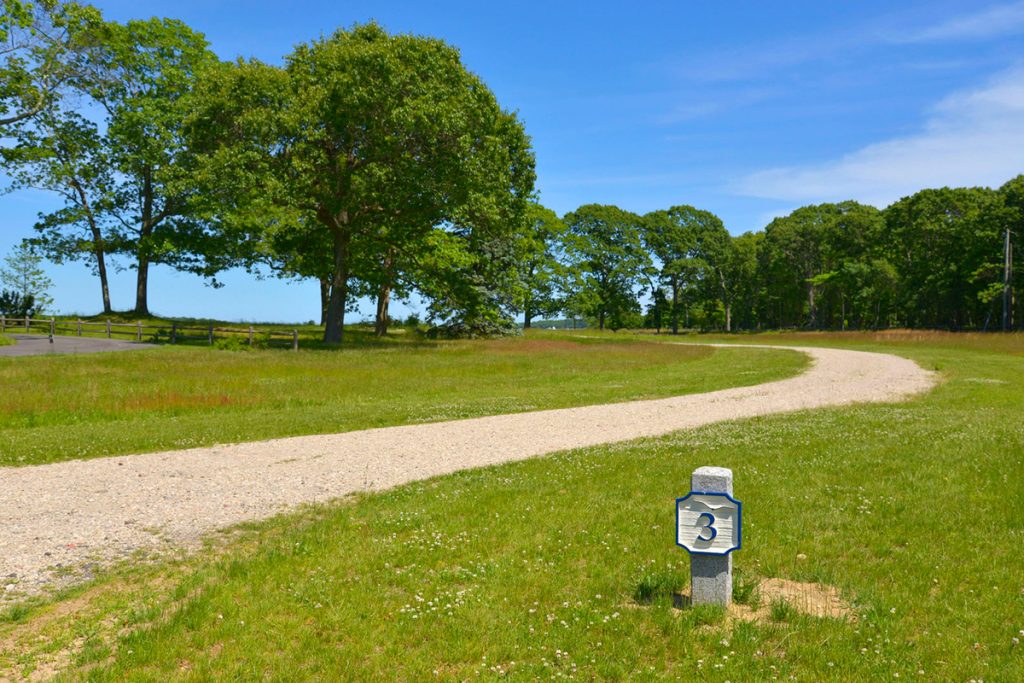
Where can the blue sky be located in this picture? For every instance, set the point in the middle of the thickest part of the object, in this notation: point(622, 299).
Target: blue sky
point(747, 109)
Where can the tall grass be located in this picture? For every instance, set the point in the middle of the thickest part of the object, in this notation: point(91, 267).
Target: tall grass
point(62, 407)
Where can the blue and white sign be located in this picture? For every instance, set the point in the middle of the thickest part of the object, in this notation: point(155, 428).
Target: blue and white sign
point(708, 523)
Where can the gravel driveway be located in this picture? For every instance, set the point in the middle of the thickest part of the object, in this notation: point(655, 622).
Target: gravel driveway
point(70, 513)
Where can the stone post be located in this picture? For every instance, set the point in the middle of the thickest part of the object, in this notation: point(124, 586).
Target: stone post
point(711, 575)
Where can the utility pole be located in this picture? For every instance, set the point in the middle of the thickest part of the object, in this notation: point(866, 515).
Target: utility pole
point(1007, 277)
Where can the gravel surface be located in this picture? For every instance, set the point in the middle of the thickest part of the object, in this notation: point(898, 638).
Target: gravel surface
point(40, 345)
point(61, 519)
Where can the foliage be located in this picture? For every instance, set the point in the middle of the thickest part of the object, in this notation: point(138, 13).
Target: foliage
point(17, 305)
point(39, 43)
point(346, 164)
point(606, 263)
point(480, 329)
point(22, 272)
point(949, 255)
point(62, 152)
point(538, 259)
point(125, 180)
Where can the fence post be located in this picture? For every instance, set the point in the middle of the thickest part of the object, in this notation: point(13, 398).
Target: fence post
point(138, 334)
point(211, 335)
point(53, 329)
point(174, 333)
point(3, 324)
point(28, 323)
point(250, 335)
point(79, 327)
point(295, 340)
point(108, 329)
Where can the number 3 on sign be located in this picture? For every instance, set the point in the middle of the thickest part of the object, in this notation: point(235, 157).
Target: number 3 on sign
point(708, 523)
point(708, 526)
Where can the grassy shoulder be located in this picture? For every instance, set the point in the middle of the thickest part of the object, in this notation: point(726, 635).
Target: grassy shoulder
point(5, 341)
point(531, 570)
point(170, 398)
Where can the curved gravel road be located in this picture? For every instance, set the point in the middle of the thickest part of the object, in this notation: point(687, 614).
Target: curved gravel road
point(66, 515)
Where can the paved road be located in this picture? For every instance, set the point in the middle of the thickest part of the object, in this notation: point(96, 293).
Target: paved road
point(39, 345)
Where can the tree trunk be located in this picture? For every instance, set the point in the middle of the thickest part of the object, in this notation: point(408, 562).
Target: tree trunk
point(145, 232)
point(812, 316)
point(97, 247)
point(600, 320)
point(527, 316)
point(142, 285)
point(725, 301)
point(101, 268)
point(335, 326)
point(380, 327)
point(325, 299)
point(675, 306)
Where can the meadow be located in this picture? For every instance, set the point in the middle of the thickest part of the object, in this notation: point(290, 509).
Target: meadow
point(172, 397)
point(563, 567)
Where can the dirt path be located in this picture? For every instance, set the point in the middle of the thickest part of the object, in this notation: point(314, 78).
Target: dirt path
point(70, 513)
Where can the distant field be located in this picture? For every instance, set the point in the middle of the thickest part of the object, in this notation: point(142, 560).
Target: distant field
point(59, 408)
point(913, 512)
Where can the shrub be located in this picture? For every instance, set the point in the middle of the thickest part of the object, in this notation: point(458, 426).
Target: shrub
point(478, 329)
point(15, 305)
point(232, 344)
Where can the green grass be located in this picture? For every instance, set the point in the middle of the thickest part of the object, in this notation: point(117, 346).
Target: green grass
point(168, 398)
point(561, 567)
point(5, 341)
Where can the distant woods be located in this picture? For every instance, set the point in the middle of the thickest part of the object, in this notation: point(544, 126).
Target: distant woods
point(935, 259)
point(380, 167)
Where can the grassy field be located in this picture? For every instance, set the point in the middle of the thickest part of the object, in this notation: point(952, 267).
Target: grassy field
point(172, 397)
point(533, 570)
point(5, 341)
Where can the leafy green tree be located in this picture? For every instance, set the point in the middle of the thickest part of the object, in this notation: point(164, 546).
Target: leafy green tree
point(719, 262)
point(538, 246)
point(140, 74)
point(365, 141)
point(39, 43)
point(670, 237)
point(1013, 199)
point(747, 287)
point(947, 246)
point(606, 261)
point(22, 272)
point(13, 304)
point(63, 152)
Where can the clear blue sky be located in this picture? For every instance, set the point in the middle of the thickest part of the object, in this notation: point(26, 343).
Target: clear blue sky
point(747, 109)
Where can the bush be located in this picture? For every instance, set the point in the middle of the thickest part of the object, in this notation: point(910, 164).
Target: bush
point(232, 343)
point(15, 305)
point(479, 329)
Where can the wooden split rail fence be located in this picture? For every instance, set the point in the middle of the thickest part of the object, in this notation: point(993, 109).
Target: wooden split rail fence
point(175, 332)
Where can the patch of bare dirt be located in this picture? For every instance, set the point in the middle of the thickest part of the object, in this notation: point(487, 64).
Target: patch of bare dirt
point(811, 599)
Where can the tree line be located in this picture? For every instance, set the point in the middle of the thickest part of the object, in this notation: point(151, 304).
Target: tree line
point(935, 259)
point(381, 167)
